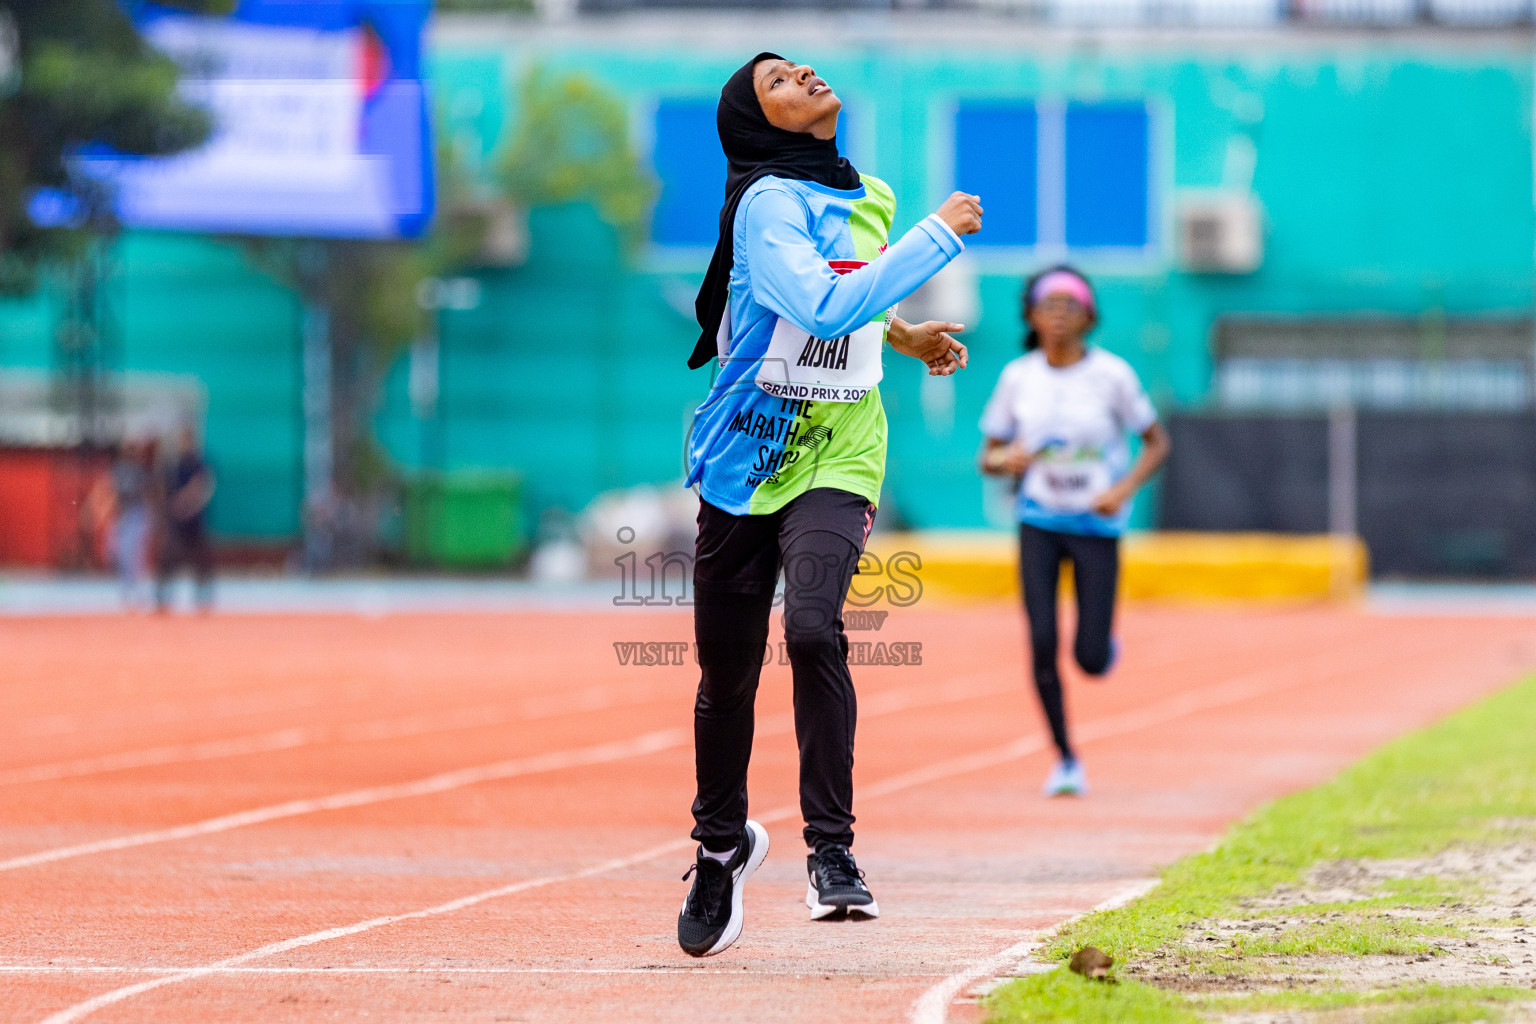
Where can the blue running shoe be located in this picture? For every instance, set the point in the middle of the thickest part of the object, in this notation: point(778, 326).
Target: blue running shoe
point(1067, 779)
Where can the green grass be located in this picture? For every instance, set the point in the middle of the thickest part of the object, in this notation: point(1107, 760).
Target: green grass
point(1062, 997)
point(1471, 778)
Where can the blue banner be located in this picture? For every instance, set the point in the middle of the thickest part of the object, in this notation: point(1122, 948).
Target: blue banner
point(321, 123)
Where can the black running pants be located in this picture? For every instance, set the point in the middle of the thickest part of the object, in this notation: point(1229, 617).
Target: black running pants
point(1095, 574)
point(816, 540)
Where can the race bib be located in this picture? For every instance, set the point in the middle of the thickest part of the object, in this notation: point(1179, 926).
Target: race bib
point(1066, 480)
point(799, 365)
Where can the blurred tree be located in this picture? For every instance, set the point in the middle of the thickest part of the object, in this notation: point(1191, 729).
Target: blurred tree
point(573, 144)
point(369, 290)
point(85, 76)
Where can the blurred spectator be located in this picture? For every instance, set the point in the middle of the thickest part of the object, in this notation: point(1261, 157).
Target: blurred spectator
point(121, 500)
point(189, 485)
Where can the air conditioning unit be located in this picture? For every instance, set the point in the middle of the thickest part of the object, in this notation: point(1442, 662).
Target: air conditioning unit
point(1220, 232)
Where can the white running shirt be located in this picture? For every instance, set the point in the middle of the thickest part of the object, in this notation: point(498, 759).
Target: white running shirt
point(1075, 420)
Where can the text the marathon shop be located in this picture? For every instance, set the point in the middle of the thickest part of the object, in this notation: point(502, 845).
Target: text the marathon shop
point(788, 434)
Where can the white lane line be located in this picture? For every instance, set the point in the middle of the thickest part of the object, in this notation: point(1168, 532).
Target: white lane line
point(1211, 697)
point(89, 1006)
point(278, 739)
point(649, 743)
point(597, 698)
point(787, 972)
point(1206, 699)
point(886, 703)
point(167, 713)
point(932, 1007)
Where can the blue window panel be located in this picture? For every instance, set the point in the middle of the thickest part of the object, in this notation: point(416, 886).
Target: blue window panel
point(1107, 195)
point(691, 167)
point(996, 158)
point(692, 172)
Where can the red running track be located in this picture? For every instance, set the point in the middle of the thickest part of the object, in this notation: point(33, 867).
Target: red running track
point(483, 818)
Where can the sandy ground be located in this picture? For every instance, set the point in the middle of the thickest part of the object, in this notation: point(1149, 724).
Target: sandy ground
point(1498, 915)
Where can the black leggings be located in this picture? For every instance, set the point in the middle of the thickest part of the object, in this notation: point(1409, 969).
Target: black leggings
point(816, 540)
point(1095, 573)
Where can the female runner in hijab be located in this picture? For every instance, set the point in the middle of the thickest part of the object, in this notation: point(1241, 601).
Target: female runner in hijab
point(788, 453)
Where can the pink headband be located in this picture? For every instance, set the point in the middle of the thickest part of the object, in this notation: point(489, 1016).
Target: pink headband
point(1063, 282)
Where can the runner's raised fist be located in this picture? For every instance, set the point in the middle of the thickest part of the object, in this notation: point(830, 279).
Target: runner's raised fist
point(962, 212)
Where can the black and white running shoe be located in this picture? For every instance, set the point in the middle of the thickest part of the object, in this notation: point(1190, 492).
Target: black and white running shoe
point(837, 886)
point(711, 916)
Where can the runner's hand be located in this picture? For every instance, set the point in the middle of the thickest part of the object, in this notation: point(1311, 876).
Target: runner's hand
point(1111, 501)
point(1009, 460)
point(932, 342)
point(962, 212)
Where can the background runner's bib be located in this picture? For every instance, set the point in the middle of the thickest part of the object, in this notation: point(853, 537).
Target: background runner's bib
point(1077, 420)
point(1067, 478)
point(799, 365)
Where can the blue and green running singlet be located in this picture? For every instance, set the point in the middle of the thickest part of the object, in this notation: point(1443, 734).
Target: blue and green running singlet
point(796, 403)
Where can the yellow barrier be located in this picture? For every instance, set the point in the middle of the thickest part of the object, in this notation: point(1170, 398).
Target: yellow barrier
point(1248, 567)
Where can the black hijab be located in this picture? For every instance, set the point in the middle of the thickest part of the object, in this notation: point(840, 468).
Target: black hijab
point(754, 149)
